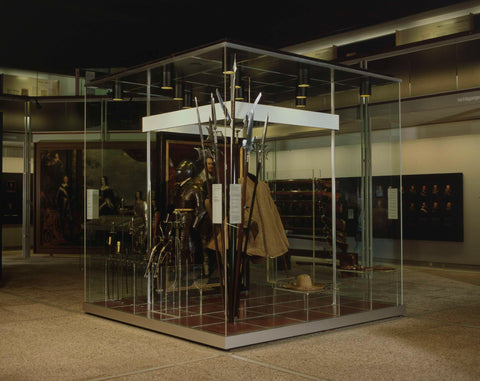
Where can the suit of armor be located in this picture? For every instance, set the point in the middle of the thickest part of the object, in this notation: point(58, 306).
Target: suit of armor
point(189, 207)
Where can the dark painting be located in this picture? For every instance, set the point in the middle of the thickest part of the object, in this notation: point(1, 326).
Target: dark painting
point(432, 206)
point(12, 184)
point(59, 197)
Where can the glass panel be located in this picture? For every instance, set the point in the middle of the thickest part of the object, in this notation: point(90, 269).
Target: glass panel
point(369, 195)
point(185, 262)
point(116, 221)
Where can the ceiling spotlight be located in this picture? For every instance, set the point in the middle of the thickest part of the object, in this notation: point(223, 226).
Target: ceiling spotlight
point(301, 93)
point(167, 77)
point(227, 64)
point(239, 93)
point(178, 91)
point(303, 77)
point(300, 102)
point(366, 88)
point(187, 99)
point(117, 91)
point(238, 79)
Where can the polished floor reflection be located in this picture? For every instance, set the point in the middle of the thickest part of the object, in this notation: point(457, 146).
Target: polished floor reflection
point(46, 335)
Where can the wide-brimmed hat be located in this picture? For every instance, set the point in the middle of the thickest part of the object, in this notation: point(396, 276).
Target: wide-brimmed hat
point(304, 283)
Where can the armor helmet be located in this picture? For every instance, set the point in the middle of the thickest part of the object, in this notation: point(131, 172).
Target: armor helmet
point(184, 170)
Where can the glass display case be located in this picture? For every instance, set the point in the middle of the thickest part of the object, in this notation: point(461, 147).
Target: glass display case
point(236, 195)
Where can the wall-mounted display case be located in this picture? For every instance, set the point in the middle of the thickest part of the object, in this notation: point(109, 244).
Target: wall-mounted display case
point(237, 228)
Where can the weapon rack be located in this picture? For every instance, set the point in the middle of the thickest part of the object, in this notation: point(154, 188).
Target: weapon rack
point(305, 207)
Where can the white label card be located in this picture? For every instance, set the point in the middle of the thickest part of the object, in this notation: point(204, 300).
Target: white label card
point(392, 196)
point(92, 204)
point(235, 203)
point(217, 203)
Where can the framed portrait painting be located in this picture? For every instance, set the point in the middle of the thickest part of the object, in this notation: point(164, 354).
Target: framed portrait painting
point(58, 197)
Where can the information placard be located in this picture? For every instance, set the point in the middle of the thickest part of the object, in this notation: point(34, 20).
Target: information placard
point(217, 203)
point(392, 203)
point(235, 203)
point(92, 204)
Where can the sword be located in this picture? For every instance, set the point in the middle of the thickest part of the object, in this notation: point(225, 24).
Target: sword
point(150, 259)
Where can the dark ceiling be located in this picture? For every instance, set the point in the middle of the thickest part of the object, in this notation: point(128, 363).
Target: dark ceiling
point(58, 36)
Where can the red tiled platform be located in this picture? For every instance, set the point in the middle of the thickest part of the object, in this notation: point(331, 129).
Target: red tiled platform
point(259, 309)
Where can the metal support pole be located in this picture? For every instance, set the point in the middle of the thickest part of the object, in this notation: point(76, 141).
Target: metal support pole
point(366, 184)
point(366, 147)
point(148, 229)
point(27, 186)
point(334, 190)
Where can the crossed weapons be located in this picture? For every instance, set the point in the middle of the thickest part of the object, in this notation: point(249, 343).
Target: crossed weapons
point(237, 258)
point(237, 252)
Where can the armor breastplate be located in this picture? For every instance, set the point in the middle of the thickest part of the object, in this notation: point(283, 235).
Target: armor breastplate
point(188, 196)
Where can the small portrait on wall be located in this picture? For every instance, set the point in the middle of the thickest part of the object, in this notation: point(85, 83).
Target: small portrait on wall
point(11, 186)
point(12, 201)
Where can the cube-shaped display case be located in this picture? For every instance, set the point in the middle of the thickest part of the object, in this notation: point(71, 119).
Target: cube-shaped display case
point(229, 196)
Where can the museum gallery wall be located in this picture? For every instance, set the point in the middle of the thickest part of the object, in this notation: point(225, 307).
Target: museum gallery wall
point(432, 203)
point(432, 206)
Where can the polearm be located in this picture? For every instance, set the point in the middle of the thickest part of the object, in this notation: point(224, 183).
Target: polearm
point(248, 148)
point(260, 154)
point(229, 276)
point(209, 189)
point(202, 142)
point(213, 134)
point(233, 164)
